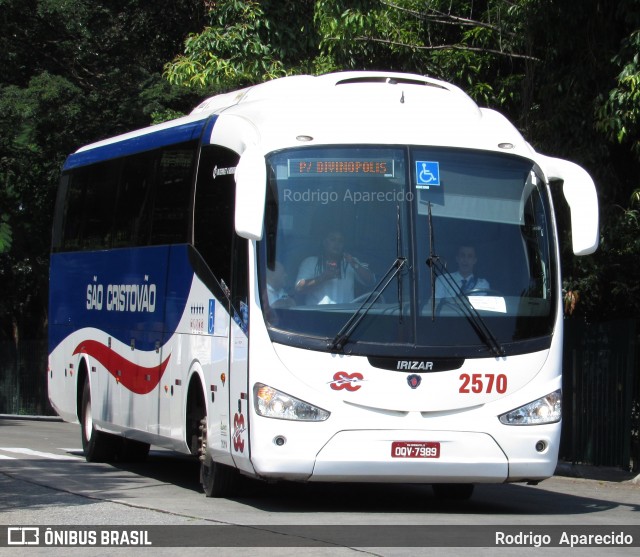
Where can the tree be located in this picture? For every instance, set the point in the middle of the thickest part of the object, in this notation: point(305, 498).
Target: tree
point(71, 72)
point(248, 42)
point(5, 234)
point(245, 42)
point(483, 47)
point(616, 276)
point(619, 111)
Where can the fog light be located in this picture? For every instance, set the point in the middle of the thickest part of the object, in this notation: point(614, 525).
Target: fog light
point(279, 440)
point(541, 446)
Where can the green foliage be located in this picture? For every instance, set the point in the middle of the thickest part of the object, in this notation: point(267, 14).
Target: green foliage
point(607, 284)
point(71, 72)
point(229, 54)
point(5, 234)
point(245, 43)
point(619, 115)
point(480, 46)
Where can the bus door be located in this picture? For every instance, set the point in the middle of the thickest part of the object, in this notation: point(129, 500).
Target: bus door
point(238, 354)
point(224, 257)
point(195, 349)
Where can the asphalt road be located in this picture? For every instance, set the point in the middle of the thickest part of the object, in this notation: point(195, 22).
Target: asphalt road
point(44, 481)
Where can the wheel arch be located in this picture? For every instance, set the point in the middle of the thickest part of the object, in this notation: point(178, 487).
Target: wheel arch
point(195, 408)
point(82, 377)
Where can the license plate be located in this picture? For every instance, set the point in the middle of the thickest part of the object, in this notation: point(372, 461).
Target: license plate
point(415, 449)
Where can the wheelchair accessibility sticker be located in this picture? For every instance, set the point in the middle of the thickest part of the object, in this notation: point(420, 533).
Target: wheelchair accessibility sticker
point(427, 174)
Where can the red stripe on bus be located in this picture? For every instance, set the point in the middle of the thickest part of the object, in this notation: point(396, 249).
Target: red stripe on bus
point(138, 379)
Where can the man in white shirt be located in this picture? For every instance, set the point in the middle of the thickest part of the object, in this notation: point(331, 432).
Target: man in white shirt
point(330, 277)
point(463, 277)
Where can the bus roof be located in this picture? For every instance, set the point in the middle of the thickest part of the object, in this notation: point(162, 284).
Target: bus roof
point(343, 107)
point(362, 107)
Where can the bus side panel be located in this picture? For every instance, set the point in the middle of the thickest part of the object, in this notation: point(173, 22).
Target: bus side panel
point(216, 374)
point(61, 390)
point(197, 351)
point(239, 396)
point(108, 308)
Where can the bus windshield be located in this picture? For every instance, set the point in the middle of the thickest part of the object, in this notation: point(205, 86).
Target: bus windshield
point(438, 251)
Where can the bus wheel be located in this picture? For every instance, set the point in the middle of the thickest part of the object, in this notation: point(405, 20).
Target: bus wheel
point(458, 492)
point(217, 480)
point(98, 446)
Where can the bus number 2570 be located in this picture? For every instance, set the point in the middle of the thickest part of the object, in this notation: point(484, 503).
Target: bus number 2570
point(483, 383)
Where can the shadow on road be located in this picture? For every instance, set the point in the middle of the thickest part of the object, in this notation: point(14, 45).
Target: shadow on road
point(123, 481)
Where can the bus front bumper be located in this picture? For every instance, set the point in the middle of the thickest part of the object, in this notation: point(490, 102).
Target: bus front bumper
point(410, 457)
point(415, 456)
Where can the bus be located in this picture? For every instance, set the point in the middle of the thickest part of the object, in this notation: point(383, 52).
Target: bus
point(272, 284)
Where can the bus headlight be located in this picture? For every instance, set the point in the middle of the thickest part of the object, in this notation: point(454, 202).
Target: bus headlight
point(545, 410)
point(271, 403)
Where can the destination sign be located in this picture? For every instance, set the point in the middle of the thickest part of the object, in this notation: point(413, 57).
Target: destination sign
point(343, 167)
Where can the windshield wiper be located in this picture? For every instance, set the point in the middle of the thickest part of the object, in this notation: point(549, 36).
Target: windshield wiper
point(431, 263)
point(347, 330)
point(399, 253)
point(468, 310)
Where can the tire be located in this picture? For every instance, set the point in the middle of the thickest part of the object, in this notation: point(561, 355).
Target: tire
point(98, 446)
point(217, 480)
point(456, 492)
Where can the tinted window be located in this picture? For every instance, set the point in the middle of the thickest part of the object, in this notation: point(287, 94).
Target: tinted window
point(138, 200)
point(172, 195)
point(214, 210)
point(443, 244)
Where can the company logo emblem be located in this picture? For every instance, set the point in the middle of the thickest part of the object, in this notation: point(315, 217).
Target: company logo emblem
point(223, 171)
point(343, 380)
point(414, 381)
point(238, 432)
point(414, 365)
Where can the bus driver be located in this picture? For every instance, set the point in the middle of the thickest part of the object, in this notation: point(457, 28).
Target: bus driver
point(329, 278)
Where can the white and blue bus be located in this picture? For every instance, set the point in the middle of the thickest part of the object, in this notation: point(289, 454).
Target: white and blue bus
point(275, 284)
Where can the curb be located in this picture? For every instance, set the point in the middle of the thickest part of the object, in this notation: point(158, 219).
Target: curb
point(600, 473)
point(31, 418)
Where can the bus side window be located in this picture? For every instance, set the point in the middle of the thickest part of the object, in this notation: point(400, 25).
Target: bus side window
point(71, 195)
point(240, 278)
point(89, 207)
point(132, 226)
point(171, 205)
point(138, 200)
point(99, 205)
point(214, 230)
